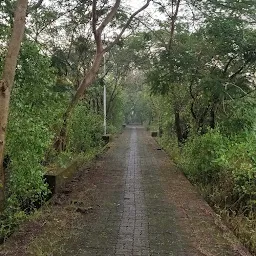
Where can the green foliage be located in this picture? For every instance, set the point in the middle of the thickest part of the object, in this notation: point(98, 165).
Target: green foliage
point(137, 103)
point(115, 118)
point(35, 116)
point(34, 113)
point(239, 118)
point(85, 130)
point(241, 162)
point(225, 34)
point(203, 78)
point(225, 164)
point(201, 157)
point(30, 130)
point(9, 220)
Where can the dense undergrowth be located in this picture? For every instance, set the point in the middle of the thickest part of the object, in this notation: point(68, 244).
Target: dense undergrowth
point(203, 95)
point(224, 169)
point(39, 100)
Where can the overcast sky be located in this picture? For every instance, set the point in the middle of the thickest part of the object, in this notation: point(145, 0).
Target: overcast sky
point(135, 4)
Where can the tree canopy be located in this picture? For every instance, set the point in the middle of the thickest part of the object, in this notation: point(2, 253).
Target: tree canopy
point(182, 67)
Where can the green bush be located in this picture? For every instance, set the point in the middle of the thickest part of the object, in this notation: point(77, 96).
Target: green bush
point(35, 107)
point(85, 130)
point(224, 167)
point(202, 157)
point(241, 164)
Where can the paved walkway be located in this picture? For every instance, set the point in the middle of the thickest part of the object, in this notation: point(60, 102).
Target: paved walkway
point(133, 231)
point(132, 202)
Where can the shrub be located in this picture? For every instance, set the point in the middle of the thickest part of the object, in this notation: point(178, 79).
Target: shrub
point(202, 157)
point(85, 130)
point(224, 167)
point(241, 164)
point(34, 109)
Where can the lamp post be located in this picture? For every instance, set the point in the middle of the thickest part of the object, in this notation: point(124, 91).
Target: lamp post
point(105, 99)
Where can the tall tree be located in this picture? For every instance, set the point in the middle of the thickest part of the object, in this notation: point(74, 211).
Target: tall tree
point(97, 29)
point(7, 80)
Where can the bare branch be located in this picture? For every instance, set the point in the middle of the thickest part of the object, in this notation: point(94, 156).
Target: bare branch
point(191, 90)
point(240, 69)
point(152, 30)
point(163, 8)
point(35, 6)
point(174, 18)
point(238, 87)
point(98, 31)
point(94, 68)
point(228, 64)
point(127, 25)
point(109, 16)
point(192, 110)
point(94, 17)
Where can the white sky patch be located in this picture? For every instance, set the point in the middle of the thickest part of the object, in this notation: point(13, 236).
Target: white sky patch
point(134, 5)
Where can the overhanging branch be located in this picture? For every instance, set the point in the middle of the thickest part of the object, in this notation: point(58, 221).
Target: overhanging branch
point(174, 18)
point(94, 17)
point(109, 16)
point(35, 6)
point(127, 25)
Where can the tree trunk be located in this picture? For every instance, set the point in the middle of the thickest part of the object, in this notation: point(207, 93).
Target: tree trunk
point(61, 140)
point(7, 80)
point(178, 125)
point(212, 117)
point(100, 51)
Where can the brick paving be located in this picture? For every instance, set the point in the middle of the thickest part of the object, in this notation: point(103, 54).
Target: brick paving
point(152, 221)
point(141, 204)
point(133, 231)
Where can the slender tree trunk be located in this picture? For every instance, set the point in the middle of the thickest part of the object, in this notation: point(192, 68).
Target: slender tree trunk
point(212, 117)
point(60, 142)
point(178, 125)
point(100, 51)
point(98, 105)
point(173, 20)
point(87, 81)
point(7, 80)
